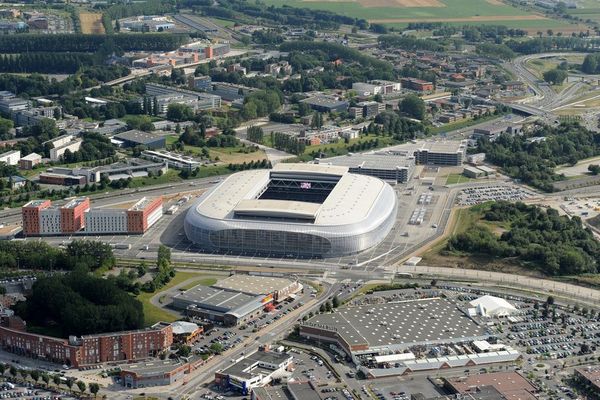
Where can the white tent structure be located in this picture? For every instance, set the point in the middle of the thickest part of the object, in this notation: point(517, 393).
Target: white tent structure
point(490, 306)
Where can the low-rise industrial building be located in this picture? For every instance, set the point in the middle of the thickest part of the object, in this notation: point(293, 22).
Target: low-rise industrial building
point(255, 370)
point(393, 327)
point(173, 160)
point(326, 104)
point(235, 300)
point(416, 84)
point(134, 138)
point(155, 373)
point(30, 161)
point(511, 385)
point(222, 306)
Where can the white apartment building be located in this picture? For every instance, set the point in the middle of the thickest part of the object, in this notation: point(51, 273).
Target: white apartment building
point(57, 152)
point(108, 220)
point(50, 221)
point(11, 157)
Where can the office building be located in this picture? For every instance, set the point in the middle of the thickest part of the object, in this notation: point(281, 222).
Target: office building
point(394, 168)
point(416, 84)
point(451, 153)
point(203, 82)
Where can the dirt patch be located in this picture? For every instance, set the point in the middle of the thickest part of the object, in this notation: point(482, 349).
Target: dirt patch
point(477, 18)
point(401, 3)
point(495, 2)
point(91, 23)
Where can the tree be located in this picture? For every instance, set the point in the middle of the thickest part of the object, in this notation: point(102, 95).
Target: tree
point(335, 302)
point(13, 371)
point(81, 385)
point(317, 121)
point(56, 379)
point(413, 106)
point(555, 76)
point(2, 369)
point(594, 169)
point(179, 112)
point(216, 348)
point(550, 300)
point(35, 375)
point(46, 378)
point(94, 388)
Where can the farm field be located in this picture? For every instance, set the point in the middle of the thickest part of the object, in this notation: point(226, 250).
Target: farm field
point(405, 11)
point(91, 22)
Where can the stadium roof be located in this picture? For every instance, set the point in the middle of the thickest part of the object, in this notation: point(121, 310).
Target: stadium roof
point(350, 200)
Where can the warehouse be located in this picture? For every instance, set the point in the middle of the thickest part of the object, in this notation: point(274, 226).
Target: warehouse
point(326, 104)
point(279, 288)
point(226, 307)
point(393, 327)
point(155, 373)
point(138, 138)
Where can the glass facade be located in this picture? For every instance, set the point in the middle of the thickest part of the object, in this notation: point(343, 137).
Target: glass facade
point(276, 237)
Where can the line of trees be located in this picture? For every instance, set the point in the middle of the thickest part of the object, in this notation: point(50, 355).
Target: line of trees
point(555, 244)
point(75, 42)
point(48, 63)
point(255, 134)
point(287, 143)
point(41, 256)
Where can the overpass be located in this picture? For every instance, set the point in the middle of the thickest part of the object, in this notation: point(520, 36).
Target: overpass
point(524, 109)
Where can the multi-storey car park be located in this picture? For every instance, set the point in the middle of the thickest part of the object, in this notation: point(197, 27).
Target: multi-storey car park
point(303, 210)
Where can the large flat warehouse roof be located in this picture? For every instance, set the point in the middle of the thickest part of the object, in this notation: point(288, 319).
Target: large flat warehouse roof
point(399, 324)
point(253, 284)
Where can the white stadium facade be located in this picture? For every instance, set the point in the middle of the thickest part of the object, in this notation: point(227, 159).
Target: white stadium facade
point(302, 210)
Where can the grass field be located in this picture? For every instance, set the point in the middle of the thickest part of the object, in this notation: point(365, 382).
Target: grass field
point(153, 314)
point(454, 179)
point(91, 22)
point(400, 12)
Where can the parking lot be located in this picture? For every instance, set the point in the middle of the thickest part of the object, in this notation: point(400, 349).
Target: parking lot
point(473, 196)
point(28, 392)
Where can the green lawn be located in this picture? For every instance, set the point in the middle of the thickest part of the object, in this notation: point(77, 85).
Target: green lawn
point(201, 281)
point(225, 23)
point(171, 176)
point(453, 9)
point(541, 24)
point(153, 314)
point(454, 179)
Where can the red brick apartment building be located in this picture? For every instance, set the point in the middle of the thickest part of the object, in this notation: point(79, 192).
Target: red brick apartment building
point(416, 84)
point(31, 216)
point(40, 217)
point(87, 350)
point(71, 214)
point(143, 215)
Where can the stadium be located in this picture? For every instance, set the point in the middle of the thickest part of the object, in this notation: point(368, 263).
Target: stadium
point(300, 210)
